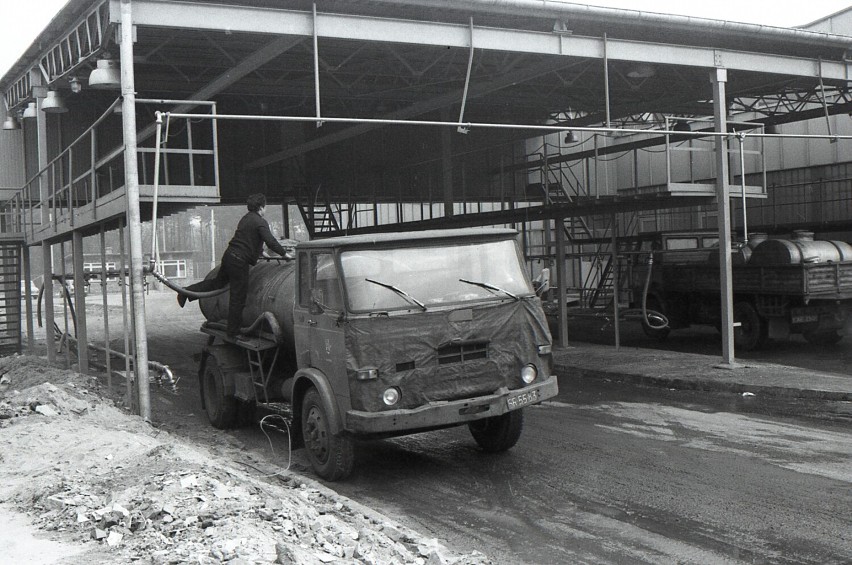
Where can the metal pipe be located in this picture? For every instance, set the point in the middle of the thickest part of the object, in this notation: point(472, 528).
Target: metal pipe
point(316, 67)
point(608, 122)
point(157, 151)
point(487, 125)
point(466, 80)
point(570, 12)
point(134, 222)
point(741, 137)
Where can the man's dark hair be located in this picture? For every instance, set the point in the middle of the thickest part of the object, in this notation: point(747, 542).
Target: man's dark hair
point(255, 202)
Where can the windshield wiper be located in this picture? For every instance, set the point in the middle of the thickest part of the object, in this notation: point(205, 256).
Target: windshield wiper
point(400, 292)
point(491, 287)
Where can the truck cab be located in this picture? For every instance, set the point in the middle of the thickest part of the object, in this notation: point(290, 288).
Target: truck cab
point(401, 333)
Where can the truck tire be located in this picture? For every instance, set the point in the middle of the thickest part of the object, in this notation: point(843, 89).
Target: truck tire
point(827, 337)
point(753, 329)
point(221, 408)
point(331, 456)
point(498, 433)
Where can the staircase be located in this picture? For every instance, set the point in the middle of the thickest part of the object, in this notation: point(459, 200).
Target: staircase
point(10, 298)
point(315, 207)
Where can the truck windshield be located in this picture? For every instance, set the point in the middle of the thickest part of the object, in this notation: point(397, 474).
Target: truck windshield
point(433, 275)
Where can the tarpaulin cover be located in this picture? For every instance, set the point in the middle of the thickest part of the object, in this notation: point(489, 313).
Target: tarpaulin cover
point(425, 354)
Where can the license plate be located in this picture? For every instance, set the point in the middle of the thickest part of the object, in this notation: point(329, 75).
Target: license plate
point(518, 400)
point(804, 318)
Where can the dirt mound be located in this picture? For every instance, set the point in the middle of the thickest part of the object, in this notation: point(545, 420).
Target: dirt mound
point(120, 491)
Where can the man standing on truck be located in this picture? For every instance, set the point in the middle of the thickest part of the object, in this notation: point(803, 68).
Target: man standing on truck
point(242, 252)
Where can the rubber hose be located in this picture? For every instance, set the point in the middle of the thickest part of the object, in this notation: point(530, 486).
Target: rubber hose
point(645, 316)
point(188, 293)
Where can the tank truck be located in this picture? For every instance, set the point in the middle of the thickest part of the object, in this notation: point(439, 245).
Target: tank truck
point(380, 335)
point(781, 285)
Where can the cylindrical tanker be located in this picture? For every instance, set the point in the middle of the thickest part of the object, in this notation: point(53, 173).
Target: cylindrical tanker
point(801, 248)
point(272, 289)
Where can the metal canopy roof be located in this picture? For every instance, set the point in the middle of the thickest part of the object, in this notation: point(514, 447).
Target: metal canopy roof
point(532, 61)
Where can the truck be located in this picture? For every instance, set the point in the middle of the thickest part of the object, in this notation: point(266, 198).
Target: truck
point(381, 335)
point(781, 286)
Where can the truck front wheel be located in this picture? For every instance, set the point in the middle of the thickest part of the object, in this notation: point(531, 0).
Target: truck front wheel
point(221, 408)
point(332, 456)
point(498, 433)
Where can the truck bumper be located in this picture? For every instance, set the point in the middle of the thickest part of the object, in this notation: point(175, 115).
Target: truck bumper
point(450, 412)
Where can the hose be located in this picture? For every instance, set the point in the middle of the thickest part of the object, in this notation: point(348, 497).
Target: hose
point(185, 292)
point(648, 314)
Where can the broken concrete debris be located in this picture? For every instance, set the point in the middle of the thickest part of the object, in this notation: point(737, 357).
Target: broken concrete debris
point(141, 495)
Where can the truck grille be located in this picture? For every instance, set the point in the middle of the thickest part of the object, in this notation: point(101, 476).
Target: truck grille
point(462, 352)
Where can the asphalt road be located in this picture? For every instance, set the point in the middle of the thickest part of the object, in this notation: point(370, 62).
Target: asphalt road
point(603, 474)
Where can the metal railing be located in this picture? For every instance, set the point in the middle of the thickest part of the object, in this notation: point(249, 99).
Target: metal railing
point(81, 175)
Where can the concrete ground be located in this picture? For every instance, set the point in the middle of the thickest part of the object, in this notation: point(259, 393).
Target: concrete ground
point(691, 371)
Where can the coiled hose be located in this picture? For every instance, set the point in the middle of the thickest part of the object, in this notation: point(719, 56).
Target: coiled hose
point(648, 317)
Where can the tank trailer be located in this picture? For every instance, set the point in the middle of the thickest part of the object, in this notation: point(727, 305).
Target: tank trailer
point(383, 335)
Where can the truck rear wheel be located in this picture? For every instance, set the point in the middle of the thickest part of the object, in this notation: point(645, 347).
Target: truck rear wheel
point(332, 456)
point(753, 329)
point(221, 408)
point(498, 433)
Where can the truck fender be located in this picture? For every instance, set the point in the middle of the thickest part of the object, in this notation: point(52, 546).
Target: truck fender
point(304, 380)
point(229, 358)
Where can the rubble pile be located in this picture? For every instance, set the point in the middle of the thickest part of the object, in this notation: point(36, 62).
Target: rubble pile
point(83, 469)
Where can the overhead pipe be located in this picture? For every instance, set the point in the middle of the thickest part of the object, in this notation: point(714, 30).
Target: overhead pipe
point(572, 12)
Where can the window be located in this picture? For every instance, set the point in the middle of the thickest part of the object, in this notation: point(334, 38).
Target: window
point(325, 284)
point(432, 275)
point(172, 268)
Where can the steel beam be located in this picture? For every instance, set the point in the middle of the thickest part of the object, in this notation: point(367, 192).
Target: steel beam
point(183, 14)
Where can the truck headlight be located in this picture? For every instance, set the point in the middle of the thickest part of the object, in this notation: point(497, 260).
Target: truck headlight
point(529, 373)
point(391, 396)
point(369, 374)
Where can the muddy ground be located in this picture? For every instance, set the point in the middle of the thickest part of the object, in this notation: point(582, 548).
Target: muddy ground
point(82, 480)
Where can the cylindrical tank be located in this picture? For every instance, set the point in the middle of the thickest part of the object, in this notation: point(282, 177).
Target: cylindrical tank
point(801, 248)
point(272, 288)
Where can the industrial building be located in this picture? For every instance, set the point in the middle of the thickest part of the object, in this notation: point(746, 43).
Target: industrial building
point(582, 127)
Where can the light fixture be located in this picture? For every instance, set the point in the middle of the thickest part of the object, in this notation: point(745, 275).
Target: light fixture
point(11, 123)
point(682, 125)
point(642, 70)
point(53, 103)
point(75, 85)
point(571, 137)
point(106, 75)
point(30, 111)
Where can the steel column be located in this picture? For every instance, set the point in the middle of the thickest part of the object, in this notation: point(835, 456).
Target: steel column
point(134, 221)
point(718, 78)
point(80, 302)
point(561, 276)
point(47, 264)
point(28, 296)
point(105, 301)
